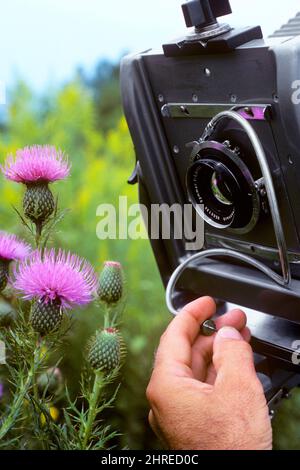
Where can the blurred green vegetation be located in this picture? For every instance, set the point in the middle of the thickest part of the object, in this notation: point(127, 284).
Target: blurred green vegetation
point(84, 118)
point(102, 158)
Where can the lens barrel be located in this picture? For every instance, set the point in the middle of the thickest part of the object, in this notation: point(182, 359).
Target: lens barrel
point(222, 189)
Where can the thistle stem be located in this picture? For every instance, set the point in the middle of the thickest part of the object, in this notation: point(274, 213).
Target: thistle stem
point(114, 319)
point(107, 317)
point(38, 233)
point(36, 360)
point(19, 399)
point(93, 406)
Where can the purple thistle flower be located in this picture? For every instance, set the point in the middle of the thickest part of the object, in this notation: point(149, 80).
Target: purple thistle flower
point(60, 278)
point(36, 164)
point(12, 248)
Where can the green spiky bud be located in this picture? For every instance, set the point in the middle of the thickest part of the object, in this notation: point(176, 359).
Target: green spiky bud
point(107, 350)
point(50, 381)
point(47, 317)
point(111, 281)
point(4, 266)
point(38, 202)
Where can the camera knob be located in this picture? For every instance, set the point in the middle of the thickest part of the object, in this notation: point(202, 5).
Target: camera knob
point(201, 13)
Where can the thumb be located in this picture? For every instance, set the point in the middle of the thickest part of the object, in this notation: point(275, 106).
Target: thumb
point(234, 362)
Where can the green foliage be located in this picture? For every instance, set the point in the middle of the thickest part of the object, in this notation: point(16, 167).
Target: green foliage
point(104, 84)
point(101, 163)
point(287, 423)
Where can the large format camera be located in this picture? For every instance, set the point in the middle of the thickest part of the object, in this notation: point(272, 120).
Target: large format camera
point(215, 121)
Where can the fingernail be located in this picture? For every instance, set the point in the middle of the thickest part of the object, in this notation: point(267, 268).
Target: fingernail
point(229, 333)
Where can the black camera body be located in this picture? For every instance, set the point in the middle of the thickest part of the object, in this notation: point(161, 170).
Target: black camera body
point(191, 107)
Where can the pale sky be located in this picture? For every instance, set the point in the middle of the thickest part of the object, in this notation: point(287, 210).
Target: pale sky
point(44, 40)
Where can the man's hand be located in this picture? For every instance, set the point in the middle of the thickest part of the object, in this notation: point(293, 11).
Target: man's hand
point(204, 392)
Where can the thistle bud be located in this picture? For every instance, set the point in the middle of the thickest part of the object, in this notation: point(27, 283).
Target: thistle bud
point(38, 202)
point(107, 350)
point(46, 317)
point(110, 289)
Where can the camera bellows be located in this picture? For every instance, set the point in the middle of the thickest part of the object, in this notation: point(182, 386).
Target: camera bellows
point(38, 202)
point(110, 289)
point(107, 350)
point(46, 317)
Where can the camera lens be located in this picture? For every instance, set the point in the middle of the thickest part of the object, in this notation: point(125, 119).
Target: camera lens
point(222, 189)
point(212, 185)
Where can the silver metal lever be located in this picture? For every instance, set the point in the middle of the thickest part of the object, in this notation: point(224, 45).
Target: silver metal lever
point(212, 254)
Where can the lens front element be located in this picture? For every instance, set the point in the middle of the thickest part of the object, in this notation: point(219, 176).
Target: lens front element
point(220, 189)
